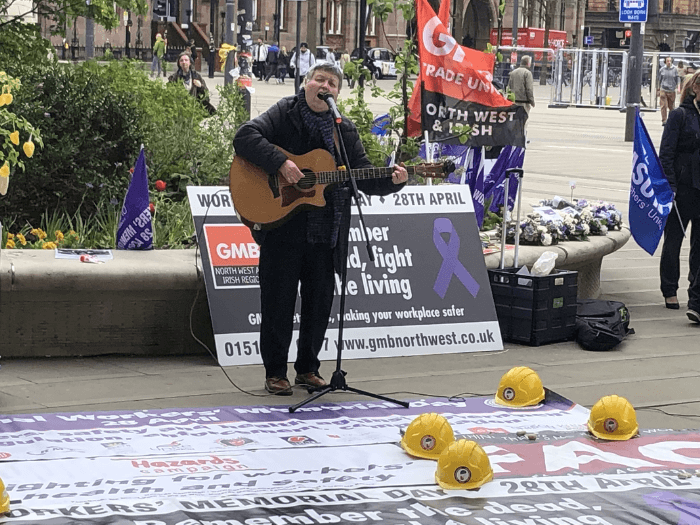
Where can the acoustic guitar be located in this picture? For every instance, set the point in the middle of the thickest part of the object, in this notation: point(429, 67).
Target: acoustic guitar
point(265, 202)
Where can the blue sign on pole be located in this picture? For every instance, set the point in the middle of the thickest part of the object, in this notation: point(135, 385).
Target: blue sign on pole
point(588, 40)
point(633, 10)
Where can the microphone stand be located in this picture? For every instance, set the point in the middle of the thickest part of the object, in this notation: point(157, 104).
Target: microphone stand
point(338, 381)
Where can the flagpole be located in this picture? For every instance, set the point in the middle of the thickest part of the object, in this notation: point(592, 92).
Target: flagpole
point(428, 156)
point(680, 221)
point(504, 232)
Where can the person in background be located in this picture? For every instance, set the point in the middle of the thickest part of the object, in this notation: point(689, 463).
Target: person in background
point(679, 154)
point(259, 59)
point(306, 60)
point(191, 49)
point(681, 74)
point(668, 83)
point(301, 256)
point(193, 81)
point(344, 59)
point(520, 83)
point(158, 53)
point(282, 64)
point(271, 61)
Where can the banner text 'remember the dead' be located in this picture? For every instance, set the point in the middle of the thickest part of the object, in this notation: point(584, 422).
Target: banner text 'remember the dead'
point(456, 88)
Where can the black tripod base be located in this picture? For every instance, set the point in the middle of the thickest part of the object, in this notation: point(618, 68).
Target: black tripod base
point(338, 383)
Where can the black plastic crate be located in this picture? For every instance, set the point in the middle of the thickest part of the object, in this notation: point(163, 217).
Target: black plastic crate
point(535, 310)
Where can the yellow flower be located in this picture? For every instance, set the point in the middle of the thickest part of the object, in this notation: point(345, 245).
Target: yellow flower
point(41, 234)
point(14, 138)
point(49, 246)
point(59, 235)
point(28, 148)
point(21, 239)
point(10, 235)
point(6, 99)
point(5, 170)
point(34, 231)
point(10, 243)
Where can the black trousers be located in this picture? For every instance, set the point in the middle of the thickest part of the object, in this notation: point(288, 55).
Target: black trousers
point(283, 266)
point(688, 205)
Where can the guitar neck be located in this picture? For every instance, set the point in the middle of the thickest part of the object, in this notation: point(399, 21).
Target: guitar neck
point(329, 177)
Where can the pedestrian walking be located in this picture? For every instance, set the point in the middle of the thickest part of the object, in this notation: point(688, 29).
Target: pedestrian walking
point(306, 60)
point(520, 83)
point(668, 83)
point(680, 158)
point(271, 61)
point(282, 64)
point(158, 52)
point(259, 59)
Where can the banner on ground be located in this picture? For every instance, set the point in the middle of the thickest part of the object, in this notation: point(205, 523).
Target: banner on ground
point(651, 196)
point(454, 87)
point(222, 430)
point(562, 477)
point(426, 292)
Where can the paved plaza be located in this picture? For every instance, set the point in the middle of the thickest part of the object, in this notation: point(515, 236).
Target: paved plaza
point(657, 369)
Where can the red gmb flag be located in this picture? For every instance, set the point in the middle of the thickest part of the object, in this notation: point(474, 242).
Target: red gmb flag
point(454, 87)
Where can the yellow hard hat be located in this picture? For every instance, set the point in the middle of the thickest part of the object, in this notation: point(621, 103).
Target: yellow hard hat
point(427, 436)
point(613, 418)
point(463, 465)
point(4, 499)
point(520, 387)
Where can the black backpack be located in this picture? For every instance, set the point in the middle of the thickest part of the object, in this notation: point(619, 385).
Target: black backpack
point(601, 325)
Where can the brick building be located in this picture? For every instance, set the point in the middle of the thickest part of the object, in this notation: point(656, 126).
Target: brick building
point(675, 23)
point(332, 23)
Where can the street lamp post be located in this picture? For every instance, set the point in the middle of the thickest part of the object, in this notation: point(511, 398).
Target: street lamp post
point(230, 17)
point(89, 32)
point(139, 42)
point(189, 24)
point(213, 7)
point(75, 43)
point(127, 43)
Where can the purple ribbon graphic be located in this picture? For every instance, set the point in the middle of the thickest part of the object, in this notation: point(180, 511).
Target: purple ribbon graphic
point(688, 510)
point(450, 261)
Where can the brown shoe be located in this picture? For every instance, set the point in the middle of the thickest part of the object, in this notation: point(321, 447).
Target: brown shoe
point(278, 386)
point(310, 379)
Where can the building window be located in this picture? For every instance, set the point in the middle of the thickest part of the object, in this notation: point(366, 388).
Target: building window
point(614, 5)
point(668, 6)
point(372, 26)
point(283, 14)
point(334, 19)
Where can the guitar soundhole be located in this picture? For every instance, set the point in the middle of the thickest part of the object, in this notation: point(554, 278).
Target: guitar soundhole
point(309, 180)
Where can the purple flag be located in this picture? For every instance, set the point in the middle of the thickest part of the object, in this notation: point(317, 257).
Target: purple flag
point(476, 185)
point(516, 159)
point(135, 230)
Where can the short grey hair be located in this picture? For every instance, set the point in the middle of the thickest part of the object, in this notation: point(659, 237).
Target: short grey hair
point(526, 60)
point(328, 67)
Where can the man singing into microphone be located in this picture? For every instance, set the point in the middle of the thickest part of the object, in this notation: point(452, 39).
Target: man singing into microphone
point(309, 247)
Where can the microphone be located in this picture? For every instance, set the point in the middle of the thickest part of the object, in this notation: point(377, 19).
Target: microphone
point(328, 99)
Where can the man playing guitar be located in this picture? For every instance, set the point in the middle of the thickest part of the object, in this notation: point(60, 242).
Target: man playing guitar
point(310, 245)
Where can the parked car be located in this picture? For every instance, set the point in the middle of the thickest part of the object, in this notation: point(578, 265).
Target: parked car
point(382, 59)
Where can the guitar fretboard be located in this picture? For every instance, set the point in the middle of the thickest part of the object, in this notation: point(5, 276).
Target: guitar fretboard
point(327, 177)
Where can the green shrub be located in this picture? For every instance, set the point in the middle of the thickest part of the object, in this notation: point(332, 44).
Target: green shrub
point(91, 135)
point(22, 46)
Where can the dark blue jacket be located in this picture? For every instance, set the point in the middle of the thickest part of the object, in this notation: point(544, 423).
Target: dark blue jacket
point(282, 126)
point(679, 152)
